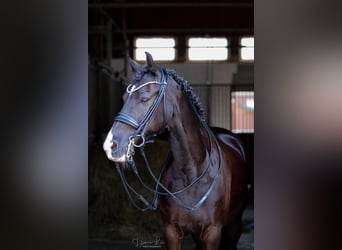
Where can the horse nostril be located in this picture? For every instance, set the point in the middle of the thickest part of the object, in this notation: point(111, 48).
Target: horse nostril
point(114, 144)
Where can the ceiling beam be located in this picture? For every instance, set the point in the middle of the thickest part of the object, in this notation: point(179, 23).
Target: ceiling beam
point(100, 29)
point(171, 5)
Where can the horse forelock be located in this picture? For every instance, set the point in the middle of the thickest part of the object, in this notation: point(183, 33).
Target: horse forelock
point(139, 74)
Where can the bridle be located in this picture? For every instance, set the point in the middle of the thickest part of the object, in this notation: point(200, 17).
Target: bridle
point(138, 140)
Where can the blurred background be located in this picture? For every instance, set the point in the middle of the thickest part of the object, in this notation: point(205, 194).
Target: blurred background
point(46, 61)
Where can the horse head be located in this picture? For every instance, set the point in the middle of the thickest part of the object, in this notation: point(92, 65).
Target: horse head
point(143, 113)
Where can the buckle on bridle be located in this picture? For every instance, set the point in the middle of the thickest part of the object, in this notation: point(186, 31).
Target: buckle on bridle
point(137, 140)
point(134, 141)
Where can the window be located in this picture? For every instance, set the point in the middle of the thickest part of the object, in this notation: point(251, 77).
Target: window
point(202, 48)
point(247, 48)
point(162, 49)
point(242, 106)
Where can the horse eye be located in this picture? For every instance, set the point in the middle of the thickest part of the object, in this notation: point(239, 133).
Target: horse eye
point(145, 99)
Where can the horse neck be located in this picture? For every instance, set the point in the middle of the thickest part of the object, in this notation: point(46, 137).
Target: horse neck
point(188, 138)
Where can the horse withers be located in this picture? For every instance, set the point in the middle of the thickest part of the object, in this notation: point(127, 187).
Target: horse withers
point(202, 189)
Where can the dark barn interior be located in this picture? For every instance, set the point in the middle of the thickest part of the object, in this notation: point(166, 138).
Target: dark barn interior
point(113, 29)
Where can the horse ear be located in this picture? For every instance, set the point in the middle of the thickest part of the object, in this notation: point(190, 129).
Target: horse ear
point(134, 65)
point(150, 63)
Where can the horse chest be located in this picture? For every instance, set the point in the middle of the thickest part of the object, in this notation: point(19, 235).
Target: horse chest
point(172, 213)
point(188, 221)
point(212, 212)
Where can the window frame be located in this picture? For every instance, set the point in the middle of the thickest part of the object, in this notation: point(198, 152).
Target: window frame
point(206, 60)
point(135, 47)
point(241, 47)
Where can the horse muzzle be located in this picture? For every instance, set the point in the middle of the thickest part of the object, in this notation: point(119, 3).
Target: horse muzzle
point(115, 154)
point(119, 159)
point(113, 151)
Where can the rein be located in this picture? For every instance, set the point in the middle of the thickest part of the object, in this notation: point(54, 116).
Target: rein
point(138, 140)
point(173, 194)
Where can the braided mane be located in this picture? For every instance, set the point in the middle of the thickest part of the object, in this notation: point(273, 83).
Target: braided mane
point(189, 93)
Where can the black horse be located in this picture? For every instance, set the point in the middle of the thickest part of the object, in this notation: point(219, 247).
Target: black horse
point(203, 187)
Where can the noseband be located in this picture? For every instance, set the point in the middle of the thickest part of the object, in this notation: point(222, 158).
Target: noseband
point(138, 139)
